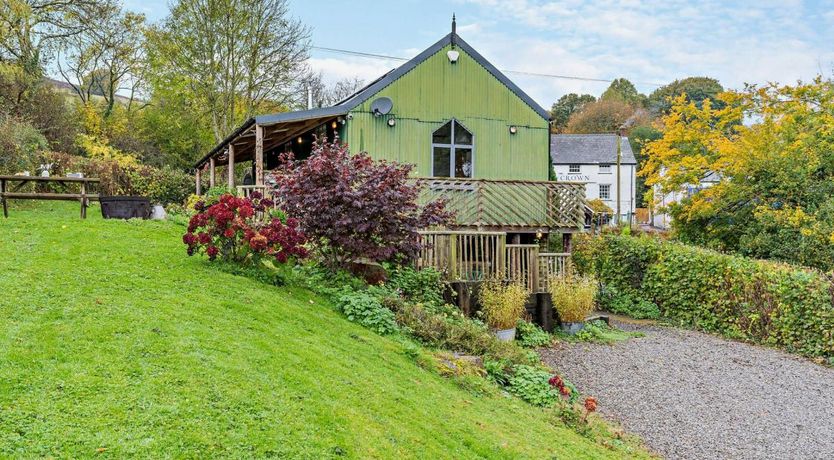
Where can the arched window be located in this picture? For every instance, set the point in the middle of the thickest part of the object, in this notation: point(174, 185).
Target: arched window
point(452, 148)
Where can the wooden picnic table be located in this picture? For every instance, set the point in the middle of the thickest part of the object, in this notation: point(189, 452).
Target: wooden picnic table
point(8, 193)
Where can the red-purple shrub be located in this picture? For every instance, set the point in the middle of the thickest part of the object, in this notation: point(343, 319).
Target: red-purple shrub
point(230, 230)
point(354, 208)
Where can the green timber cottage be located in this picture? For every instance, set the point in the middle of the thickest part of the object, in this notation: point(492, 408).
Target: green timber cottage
point(476, 139)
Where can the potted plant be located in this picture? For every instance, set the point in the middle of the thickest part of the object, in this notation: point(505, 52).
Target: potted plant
point(502, 304)
point(573, 298)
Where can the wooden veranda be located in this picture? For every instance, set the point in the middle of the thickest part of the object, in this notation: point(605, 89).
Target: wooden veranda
point(472, 256)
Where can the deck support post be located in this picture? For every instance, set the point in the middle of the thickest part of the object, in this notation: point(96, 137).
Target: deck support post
point(211, 172)
point(259, 155)
point(231, 168)
point(198, 185)
point(566, 242)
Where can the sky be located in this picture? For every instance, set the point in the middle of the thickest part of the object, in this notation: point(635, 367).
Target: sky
point(648, 42)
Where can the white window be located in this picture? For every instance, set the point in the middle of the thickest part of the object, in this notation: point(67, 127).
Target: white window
point(452, 146)
point(605, 169)
point(573, 169)
point(604, 191)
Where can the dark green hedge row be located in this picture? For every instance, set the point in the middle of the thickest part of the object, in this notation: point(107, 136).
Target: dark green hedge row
point(753, 300)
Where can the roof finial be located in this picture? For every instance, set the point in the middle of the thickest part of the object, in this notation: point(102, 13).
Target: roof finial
point(454, 30)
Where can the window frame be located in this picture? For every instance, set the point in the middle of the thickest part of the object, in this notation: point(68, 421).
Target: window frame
point(452, 150)
point(608, 188)
point(571, 169)
point(607, 169)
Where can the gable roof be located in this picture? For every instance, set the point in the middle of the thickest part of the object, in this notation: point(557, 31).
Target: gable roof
point(376, 86)
point(589, 149)
point(357, 98)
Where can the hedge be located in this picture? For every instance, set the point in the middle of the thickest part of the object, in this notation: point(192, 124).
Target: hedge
point(162, 185)
point(758, 301)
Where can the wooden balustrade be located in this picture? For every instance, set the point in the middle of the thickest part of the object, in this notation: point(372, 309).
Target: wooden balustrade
point(509, 204)
point(551, 264)
point(474, 256)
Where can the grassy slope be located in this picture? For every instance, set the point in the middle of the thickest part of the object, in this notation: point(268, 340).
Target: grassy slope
point(110, 337)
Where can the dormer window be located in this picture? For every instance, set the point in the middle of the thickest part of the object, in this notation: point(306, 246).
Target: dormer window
point(452, 151)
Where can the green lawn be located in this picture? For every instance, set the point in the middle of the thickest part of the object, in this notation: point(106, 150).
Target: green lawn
point(114, 343)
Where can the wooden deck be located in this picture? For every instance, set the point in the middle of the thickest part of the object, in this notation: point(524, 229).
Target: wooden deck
point(467, 256)
point(510, 205)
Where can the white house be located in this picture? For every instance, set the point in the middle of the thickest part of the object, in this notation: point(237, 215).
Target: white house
point(592, 158)
point(660, 218)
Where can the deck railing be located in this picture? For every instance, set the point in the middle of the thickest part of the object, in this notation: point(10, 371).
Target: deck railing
point(475, 256)
point(509, 204)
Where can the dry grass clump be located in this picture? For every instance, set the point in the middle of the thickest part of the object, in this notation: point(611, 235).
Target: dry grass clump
point(573, 296)
point(502, 303)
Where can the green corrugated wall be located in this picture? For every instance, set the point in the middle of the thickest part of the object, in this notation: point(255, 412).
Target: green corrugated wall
point(436, 91)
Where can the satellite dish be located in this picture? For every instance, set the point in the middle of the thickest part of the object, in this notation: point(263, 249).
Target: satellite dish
point(381, 106)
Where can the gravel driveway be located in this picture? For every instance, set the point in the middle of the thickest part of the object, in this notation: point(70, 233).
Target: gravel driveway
point(695, 396)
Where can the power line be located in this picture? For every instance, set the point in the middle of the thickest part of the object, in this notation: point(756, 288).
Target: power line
point(517, 72)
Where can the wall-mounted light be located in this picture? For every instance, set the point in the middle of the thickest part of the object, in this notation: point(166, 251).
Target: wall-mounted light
point(513, 129)
point(334, 125)
point(300, 140)
point(392, 121)
point(453, 56)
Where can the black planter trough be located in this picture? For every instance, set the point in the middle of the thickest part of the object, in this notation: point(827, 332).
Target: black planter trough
point(125, 207)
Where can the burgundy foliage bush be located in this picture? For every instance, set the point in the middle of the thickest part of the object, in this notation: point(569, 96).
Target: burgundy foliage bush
point(354, 208)
point(231, 230)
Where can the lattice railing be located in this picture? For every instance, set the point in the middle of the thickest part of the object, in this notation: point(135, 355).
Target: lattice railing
point(551, 264)
point(509, 203)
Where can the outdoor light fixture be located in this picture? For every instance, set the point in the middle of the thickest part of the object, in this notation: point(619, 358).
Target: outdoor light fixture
point(333, 125)
point(539, 235)
point(513, 129)
point(392, 121)
point(300, 140)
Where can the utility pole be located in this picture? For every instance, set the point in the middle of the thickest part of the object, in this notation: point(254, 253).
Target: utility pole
point(619, 161)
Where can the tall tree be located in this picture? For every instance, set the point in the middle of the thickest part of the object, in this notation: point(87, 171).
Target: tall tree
point(774, 198)
point(623, 90)
point(29, 29)
point(696, 89)
point(565, 107)
point(105, 58)
point(602, 116)
point(233, 56)
point(323, 95)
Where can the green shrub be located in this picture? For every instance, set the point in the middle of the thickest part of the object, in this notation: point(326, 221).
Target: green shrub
point(455, 333)
point(164, 185)
point(530, 383)
point(530, 335)
point(758, 301)
point(623, 304)
point(20, 144)
point(422, 286)
point(365, 308)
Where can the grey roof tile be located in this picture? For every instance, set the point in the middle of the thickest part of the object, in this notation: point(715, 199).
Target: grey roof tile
point(589, 149)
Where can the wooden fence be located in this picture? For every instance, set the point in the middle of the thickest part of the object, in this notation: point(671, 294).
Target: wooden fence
point(509, 204)
point(475, 256)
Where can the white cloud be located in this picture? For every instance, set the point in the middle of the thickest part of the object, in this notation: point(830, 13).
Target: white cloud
point(643, 41)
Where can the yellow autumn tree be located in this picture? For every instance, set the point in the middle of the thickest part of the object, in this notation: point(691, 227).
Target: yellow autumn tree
point(773, 148)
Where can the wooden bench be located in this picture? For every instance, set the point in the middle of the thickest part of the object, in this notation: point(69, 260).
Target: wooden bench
point(7, 193)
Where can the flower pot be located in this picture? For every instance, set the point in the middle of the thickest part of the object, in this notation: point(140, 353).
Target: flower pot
point(506, 335)
point(572, 328)
point(125, 207)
